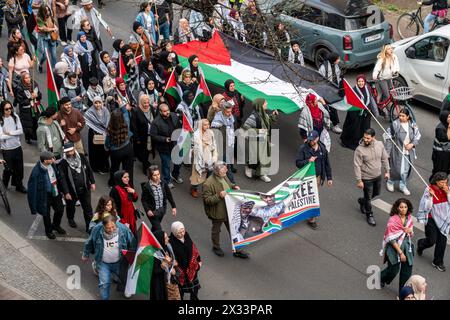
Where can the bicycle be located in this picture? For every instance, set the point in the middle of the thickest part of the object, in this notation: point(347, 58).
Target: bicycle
point(3, 192)
point(398, 99)
point(408, 24)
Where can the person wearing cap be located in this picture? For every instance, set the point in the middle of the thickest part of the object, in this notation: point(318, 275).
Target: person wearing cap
point(44, 185)
point(94, 17)
point(369, 159)
point(72, 122)
point(188, 258)
point(73, 89)
point(406, 293)
point(295, 55)
point(77, 181)
point(50, 136)
point(94, 90)
point(315, 151)
point(225, 122)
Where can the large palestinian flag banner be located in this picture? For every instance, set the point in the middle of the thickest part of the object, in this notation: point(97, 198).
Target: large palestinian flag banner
point(254, 215)
point(256, 73)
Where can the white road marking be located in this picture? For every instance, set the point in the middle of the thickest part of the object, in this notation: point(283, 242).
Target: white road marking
point(63, 239)
point(386, 207)
point(34, 226)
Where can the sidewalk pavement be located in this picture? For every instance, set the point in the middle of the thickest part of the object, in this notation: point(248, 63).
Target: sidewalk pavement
point(25, 274)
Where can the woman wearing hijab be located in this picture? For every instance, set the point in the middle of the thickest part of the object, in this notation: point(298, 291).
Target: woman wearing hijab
point(118, 143)
point(167, 65)
point(131, 69)
point(262, 122)
point(141, 41)
point(59, 73)
point(193, 114)
point(441, 145)
point(195, 69)
point(419, 285)
point(153, 94)
point(398, 249)
point(84, 49)
point(117, 45)
point(97, 119)
point(124, 196)
point(357, 122)
point(104, 60)
point(109, 81)
point(28, 97)
point(71, 58)
point(124, 94)
point(188, 259)
point(184, 32)
point(146, 72)
point(237, 100)
point(216, 106)
point(313, 116)
point(163, 268)
point(204, 156)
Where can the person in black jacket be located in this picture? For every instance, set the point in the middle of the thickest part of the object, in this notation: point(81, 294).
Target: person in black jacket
point(155, 194)
point(143, 117)
point(28, 97)
point(314, 151)
point(77, 181)
point(161, 132)
point(13, 16)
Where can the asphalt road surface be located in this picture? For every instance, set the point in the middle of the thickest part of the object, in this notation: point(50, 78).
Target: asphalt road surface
point(297, 263)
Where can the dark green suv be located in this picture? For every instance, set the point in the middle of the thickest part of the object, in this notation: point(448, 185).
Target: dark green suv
point(355, 29)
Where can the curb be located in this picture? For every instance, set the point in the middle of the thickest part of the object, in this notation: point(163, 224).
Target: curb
point(15, 291)
point(42, 263)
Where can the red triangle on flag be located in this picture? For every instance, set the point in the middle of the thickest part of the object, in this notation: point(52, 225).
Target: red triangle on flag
point(138, 59)
point(351, 97)
point(186, 125)
point(129, 255)
point(122, 69)
point(148, 239)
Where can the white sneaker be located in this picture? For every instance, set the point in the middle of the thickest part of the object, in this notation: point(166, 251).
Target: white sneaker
point(336, 129)
point(78, 203)
point(265, 178)
point(72, 42)
point(127, 295)
point(390, 187)
point(63, 43)
point(248, 172)
point(405, 191)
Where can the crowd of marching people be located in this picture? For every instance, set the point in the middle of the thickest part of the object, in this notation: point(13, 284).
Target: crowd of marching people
point(118, 96)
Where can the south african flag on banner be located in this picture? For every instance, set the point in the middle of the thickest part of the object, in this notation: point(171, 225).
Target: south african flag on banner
point(254, 215)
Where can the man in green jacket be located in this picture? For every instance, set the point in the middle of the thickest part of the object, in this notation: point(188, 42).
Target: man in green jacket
point(50, 136)
point(214, 192)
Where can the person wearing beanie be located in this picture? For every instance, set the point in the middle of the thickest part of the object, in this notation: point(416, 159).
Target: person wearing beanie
point(406, 293)
point(94, 90)
point(188, 258)
point(50, 136)
point(44, 193)
point(141, 41)
point(77, 181)
point(72, 122)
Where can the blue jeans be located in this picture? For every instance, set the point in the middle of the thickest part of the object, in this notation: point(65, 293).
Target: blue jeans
point(404, 169)
point(50, 45)
point(164, 31)
point(105, 273)
point(428, 20)
point(166, 160)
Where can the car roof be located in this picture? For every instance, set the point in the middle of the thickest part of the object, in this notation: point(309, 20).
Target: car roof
point(346, 8)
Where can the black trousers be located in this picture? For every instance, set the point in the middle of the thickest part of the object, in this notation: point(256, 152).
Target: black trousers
point(58, 208)
point(371, 190)
point(85, 201)
point(64, 32)
point(157, 219)
point(142, 154)
point(391, 271)
point(122, 157)
point(334, 117)
point(14, 162)
point(433, 237)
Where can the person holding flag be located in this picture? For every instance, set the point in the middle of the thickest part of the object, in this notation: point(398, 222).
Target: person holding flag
point(107, 242)
point(358, 121)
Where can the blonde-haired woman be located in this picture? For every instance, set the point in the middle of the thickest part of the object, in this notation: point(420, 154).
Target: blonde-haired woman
point(386, 68)
point(204, 155)
point(419, 285)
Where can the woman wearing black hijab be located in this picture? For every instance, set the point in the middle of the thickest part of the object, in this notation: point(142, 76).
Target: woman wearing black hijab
point(232, 96)
point(117, 45)
point(147, 72)
point(162, 268)
point(194, 68)
point(441, 145)
point(130, 66)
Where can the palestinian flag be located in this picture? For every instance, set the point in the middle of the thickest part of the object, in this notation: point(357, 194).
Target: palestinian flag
point(122, 70)
point(202, 95)
point(52, 90)
point(256, 73)
point(173, 89)
point(183, 143)
point(140, 271)
point(351, 102)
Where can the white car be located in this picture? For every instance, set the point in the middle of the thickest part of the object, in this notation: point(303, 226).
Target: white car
point(425, 65)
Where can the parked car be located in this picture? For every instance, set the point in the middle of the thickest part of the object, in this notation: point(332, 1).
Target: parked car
point(425, 65)
point(355, 29)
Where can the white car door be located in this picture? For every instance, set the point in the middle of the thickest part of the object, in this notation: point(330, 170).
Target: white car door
point(428, 67)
